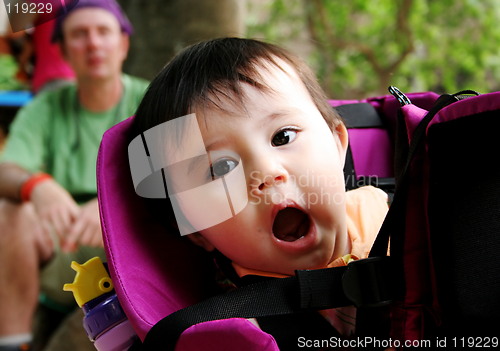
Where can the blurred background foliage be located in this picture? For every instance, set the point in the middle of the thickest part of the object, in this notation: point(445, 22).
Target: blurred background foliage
point(360, 47)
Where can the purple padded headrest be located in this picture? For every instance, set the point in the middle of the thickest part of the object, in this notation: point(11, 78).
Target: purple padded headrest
point(154, 272)
point(372, 148)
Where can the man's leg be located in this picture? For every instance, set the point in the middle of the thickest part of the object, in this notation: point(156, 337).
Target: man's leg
point(23, 248)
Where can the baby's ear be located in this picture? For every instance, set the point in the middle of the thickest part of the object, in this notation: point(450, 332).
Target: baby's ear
point(200, 240)
point(342, 139)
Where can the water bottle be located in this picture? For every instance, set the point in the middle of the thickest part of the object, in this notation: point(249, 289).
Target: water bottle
point(105, 323)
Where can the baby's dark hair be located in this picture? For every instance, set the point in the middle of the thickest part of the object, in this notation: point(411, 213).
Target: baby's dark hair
point(204, 73)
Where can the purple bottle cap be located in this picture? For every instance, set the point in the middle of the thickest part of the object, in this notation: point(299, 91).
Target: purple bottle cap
point(102, 314)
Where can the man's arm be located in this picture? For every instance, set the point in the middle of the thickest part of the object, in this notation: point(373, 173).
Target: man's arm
point(73, 224)
point(12, 178)
point(53, 203)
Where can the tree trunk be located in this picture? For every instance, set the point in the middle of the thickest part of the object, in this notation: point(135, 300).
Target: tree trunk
point(164, 27)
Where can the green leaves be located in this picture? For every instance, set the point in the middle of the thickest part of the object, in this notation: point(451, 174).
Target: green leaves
point(8, 70)
point(360, 47)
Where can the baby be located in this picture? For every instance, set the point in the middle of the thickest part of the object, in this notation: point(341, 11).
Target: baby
point(256, 133)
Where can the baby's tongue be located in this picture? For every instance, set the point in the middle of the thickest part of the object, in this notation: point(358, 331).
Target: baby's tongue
point(290, 224)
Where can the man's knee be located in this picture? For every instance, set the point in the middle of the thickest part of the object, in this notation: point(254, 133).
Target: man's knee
point(17, 215)
point(19, 225)
point(19, 260)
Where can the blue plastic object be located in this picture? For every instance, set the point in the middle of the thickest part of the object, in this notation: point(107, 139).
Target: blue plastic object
point(15, 98)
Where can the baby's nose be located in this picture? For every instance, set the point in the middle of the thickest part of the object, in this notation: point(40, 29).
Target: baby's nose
point(269, 181)
point(269, 174)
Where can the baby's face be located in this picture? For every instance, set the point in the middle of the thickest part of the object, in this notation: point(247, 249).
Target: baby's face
point(292, 162)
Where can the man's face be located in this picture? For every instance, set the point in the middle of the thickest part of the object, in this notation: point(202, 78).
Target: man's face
point(94, 44)
point(293, 164)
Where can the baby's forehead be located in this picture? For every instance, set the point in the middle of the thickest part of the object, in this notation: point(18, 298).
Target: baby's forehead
point(271, 80)
point(278, 71)
point(223, 104)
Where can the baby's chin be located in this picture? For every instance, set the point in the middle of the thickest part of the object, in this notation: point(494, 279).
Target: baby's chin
point(336, 242)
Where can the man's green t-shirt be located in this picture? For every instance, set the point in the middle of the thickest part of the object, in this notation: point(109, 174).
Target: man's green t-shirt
point(56, 135)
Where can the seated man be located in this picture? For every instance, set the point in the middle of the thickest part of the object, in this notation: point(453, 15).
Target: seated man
point(49, 219)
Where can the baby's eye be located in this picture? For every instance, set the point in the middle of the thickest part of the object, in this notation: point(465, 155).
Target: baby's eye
point(223, 167)
point(284, 137)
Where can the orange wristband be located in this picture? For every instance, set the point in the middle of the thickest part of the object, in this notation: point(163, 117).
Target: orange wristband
point(30, 183)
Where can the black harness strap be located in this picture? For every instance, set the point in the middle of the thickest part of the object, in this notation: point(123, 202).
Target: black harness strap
point(309, 290)
point(350, 178)
point(360, 115)
point(394, 224)
point(395, 218)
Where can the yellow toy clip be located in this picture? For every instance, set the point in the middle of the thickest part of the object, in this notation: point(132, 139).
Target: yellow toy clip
point(91, 281)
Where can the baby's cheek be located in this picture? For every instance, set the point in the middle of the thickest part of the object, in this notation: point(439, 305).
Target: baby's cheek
point(327, 203)
point(205, 206)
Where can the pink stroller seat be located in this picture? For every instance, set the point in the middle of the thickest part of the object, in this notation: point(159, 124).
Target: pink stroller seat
point(154, 272)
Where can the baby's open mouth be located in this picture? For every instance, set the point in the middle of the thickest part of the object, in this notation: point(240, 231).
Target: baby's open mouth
point(291, 224)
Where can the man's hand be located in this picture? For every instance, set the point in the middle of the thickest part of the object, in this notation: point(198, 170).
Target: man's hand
point(55, 207)
point(75, 225)
point(86, 229)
